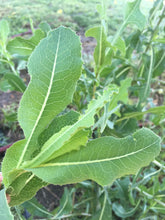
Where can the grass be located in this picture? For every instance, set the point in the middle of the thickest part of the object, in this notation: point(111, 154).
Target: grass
point(79, 15)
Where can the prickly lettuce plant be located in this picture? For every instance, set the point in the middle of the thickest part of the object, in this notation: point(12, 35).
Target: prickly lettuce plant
point(68, 156)
point(59, 147)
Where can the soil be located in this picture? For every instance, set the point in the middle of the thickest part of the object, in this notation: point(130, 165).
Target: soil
point(50, 195)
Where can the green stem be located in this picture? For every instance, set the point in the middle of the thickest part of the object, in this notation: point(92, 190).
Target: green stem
point(149, 73)
point(149, 196)
point(155, 29)
point(153, 33)
point(158, 164)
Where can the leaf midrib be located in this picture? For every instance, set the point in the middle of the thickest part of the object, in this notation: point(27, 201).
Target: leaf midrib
point(43, 106)
point(95, 161)
point(68, 130)
point(126, 21)
point(26, 48)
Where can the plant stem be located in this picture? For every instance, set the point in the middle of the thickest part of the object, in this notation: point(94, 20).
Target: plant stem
point(158, 164)
point(3, 149)
point(155, 29)
point(153, 34)
point(150, 196)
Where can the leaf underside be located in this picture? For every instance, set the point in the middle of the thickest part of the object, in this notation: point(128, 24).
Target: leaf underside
point(102, 160)
point(64, 155)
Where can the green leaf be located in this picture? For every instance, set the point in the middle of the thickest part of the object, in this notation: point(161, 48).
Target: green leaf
point(45, 27)
point(36, 209)
point(24, 182)
point(56, 142)
point(159, 40)
point(99, 54)
point(114, 106)
point(4, 31)
point(102, 160)
point(155, 110)
point(4, 85)
point(23, 46)
point(121, 212)
point(52, 85)
point(52, 78)
point(16, 82)
point(65, 206)
point(5, 213)
point(18, 182)
point(105, 213)
point(78, 139)
point(120, 44)
point(159, 66)
point(122, 95)
point(149, 77)
point(57, 124)
point(133, 15)
point(10, 117)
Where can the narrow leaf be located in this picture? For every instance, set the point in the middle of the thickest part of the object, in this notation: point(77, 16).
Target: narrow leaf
point(55, 66)
point(85, 121)
point(57, 124)
point(79, 139)
point(120, 45)
point(4, 30)
point(121, 96)
point(102, 160)
point(105, 213)
point(99, 54)
point(155, 110)
point(16, 82)
point(121, 212)
point(5, 213)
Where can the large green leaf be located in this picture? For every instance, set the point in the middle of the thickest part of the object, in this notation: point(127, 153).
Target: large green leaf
point(133, 15)
point(5, 213)
point(54, 146)
point(55, 67)
point(102, 160)
point(54, 71)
